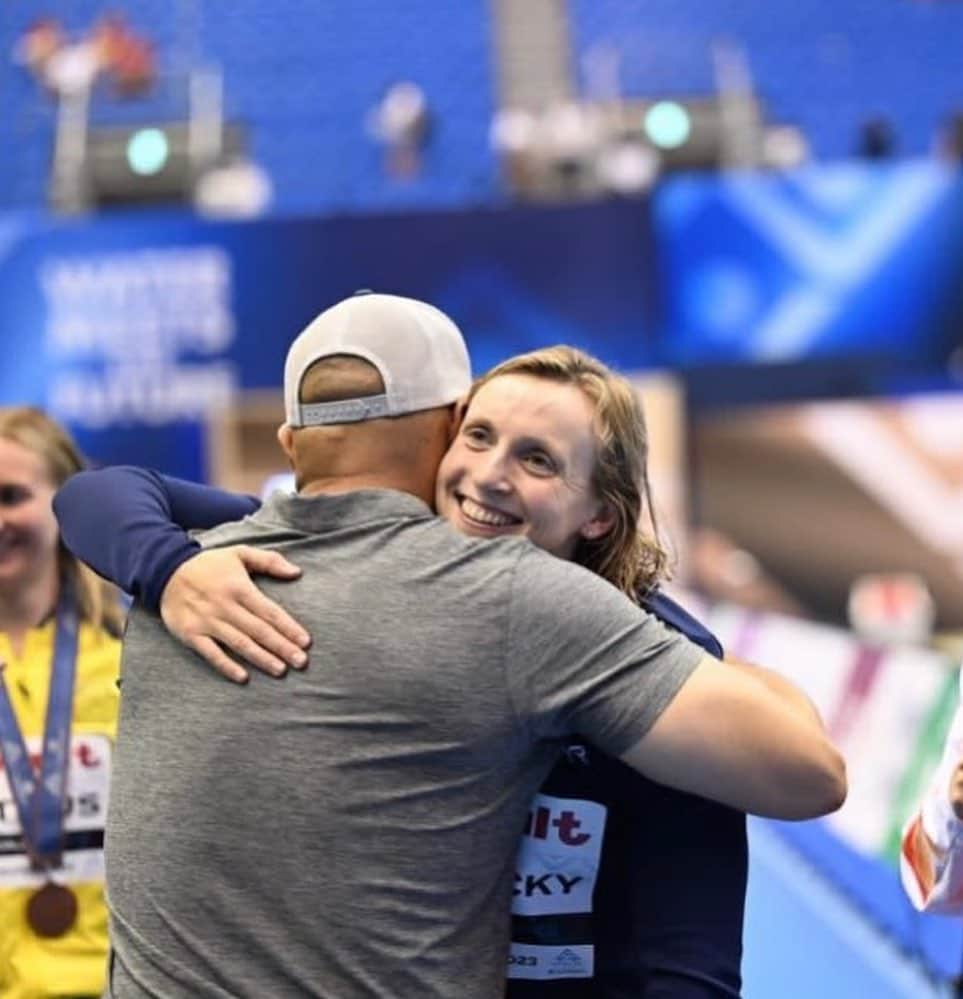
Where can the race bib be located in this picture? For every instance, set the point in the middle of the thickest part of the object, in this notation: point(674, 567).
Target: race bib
point(558, 860)
point(85, 812)
point(555, 874)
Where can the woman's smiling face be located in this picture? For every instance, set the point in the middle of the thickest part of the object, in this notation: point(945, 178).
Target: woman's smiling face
point(522, 463)
point(28, 529)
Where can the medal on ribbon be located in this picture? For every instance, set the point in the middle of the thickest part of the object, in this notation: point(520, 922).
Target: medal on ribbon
point(39, 796)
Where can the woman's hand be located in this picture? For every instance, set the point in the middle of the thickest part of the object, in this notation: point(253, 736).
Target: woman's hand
point(211, 605)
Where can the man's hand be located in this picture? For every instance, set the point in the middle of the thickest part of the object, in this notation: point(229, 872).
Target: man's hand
point(210, 604)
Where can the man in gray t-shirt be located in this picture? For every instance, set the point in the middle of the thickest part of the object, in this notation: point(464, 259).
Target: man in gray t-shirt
point(350, 831)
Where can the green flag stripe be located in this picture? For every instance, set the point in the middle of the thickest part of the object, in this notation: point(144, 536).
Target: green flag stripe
point(923, 760)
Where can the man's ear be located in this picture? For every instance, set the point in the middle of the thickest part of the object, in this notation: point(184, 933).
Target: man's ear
point(599, 525)
point(286, 440)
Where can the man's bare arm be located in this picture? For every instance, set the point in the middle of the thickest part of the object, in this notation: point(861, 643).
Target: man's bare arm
point(728, 737)
point(790, 694)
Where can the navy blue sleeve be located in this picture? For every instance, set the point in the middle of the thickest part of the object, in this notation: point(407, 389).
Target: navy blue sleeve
point(129, 524)
point(675, 615)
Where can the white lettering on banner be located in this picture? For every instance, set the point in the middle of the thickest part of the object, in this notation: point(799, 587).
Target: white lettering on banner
point(558, 860)
point(129, 394)
point(148, 304)
point(133, 337)
point(85, 810)
point(531, 961)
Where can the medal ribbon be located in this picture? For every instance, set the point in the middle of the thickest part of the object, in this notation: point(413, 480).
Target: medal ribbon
point(40, 798)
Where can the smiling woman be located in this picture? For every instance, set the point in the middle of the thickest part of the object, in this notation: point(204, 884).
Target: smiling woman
point(553, 446)
point(28, 533)
point(523, 463)
point(60, 658)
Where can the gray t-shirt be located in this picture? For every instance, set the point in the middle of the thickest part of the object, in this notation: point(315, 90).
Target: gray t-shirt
point(350, 831)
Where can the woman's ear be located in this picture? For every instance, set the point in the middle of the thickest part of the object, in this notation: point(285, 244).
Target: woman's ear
point(599, 525)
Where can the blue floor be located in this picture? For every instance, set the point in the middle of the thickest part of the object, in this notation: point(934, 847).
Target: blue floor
point(804, 940)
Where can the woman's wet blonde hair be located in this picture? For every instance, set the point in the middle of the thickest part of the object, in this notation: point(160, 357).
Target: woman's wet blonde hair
point(33, 430)
point(626, 555)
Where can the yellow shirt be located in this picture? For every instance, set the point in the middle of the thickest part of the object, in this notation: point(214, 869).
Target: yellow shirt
point(33, 967)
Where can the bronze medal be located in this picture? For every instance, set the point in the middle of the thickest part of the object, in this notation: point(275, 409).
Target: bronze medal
point(52, 910)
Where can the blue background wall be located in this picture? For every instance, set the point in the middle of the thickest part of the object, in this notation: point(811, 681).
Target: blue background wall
point(823, 65)
point(303, 74)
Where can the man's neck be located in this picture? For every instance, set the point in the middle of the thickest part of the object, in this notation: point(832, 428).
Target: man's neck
point(331, 485)
point(24, 605)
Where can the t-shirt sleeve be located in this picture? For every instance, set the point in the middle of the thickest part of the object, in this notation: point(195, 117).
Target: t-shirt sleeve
point(583, 659)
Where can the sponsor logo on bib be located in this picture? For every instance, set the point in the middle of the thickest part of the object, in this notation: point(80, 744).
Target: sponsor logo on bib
point(558, 860)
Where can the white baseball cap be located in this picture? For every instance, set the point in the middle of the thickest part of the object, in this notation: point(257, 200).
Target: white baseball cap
point(419, 352)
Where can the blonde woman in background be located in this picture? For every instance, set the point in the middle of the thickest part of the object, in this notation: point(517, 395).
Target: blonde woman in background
point(58, 713)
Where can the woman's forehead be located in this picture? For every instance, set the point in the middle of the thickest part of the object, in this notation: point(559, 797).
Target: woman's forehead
point(516, 388)
point(542, 405)
point(19, 464)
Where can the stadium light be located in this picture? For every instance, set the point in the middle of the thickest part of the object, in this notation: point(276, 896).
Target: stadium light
point(147, 151)
point(667, 125)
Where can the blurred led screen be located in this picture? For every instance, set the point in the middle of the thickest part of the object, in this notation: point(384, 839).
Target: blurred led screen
point(841, 261)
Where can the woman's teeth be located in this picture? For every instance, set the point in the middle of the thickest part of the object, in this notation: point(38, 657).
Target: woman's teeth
point(482, 515)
